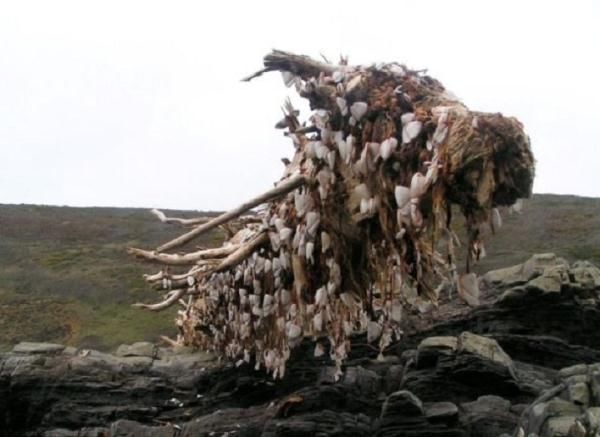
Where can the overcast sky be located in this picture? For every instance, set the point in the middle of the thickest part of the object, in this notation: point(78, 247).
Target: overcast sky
point(122, 103)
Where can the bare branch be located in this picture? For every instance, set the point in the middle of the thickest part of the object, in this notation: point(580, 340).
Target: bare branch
point(173, 297)
point(197, 220)
point(283, 188)
point(187, 259)
point(243, 252)
point(300, 65)
point(192, 221)
point(169, 341)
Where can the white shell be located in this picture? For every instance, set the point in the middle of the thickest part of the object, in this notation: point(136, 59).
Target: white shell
point(517, 206)
point(320, 118)
point(331, 159)
point(325, 241)
point(299, 238)
point(373, 331)
point(279, 224)
point(320, 150)
point(373, 204)
point(337, 76)
point(285, 296)
point(432, 174)
point(396, 312)
point(441, 131)
point(293, 331)
point(338, 138)
point(362, 191)
point(311, 149)
point(318, 322)
point(285, 234)
point(397, 70)
point(348, 329)
point(353, 83)
point(496, 218)
point(322, 192)
point(361, 166)
point(418, 185)
point(269, 358)
point(319, 351)
point(358, 109)
point(374, 148)
point(310, 248)
point(348, 300)
point(345, 147)
point(258, 312)
point(342, 105)
point(321, 296)
point(388, 147)
point(301, 203)
point(267, 300)
point(288, 78)
point(364, 206)
point(312, 222)
point(402, 195)
point(349, 148)
point(284, 260)
point(275, 240)
point(407, 118)
point(326, 135)
point(410, 131)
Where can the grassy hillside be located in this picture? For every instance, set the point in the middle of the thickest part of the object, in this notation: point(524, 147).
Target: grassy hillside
point(65, 276)
point(566, 225)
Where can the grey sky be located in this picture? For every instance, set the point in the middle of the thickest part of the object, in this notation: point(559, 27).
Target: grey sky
point(121, 103)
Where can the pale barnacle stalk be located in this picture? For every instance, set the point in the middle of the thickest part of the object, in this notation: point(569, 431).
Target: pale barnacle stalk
point(346, 240)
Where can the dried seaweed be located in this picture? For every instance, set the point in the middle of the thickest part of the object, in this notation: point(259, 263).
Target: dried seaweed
point(350, 237)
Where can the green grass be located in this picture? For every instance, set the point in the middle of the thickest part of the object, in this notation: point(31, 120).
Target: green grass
point(65, 276)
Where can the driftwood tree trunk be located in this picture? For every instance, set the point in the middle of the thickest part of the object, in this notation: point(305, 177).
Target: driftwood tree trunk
point(359, 229)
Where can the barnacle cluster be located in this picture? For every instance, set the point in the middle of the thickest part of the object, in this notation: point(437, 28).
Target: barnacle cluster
point(359, 228)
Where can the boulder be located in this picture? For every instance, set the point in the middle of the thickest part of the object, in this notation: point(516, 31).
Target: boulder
point(523, 273)
point(484, 347)
point(402, 403)
point(431, 348)
point(585, 274)
point(139, 349)
point(26, 347)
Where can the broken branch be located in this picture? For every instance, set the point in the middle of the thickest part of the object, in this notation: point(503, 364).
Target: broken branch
point(281, 189)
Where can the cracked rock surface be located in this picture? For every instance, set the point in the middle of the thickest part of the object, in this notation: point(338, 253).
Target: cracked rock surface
point(526, 362)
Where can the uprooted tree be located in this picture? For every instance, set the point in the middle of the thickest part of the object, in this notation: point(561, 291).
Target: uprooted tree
point(357, 231)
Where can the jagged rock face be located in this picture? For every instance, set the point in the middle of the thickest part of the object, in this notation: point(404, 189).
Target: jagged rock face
point(458, 372)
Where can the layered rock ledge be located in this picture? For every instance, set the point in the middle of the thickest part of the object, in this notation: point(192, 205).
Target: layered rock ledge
point(525, 362)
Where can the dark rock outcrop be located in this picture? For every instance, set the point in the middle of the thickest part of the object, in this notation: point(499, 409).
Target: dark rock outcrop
point(522, 363)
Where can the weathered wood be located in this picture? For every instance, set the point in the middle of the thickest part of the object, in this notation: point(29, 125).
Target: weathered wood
point(173, 297)
point(197, 220)
point(303, 66)
point(243, 252)
point(185, 259)
point(280, 190)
